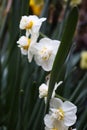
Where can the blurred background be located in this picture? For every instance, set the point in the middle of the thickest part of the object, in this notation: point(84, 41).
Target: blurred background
point(20, 107)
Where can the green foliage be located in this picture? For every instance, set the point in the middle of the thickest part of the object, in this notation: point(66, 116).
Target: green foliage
point(63, 49)
point(20, 106)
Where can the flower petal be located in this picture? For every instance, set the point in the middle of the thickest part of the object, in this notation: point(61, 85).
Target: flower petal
point(56, 103)
point(49, 121)
point(68, 106)
point(69, 119)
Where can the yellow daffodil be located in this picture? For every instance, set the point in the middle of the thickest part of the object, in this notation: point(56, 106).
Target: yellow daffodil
point(36, 6)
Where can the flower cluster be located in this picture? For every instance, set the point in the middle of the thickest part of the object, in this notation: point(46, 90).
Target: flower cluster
point(43, 51)
point(62, 115)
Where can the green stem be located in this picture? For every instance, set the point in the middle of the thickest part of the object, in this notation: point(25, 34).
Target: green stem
point(42, 35)
point(58, 96)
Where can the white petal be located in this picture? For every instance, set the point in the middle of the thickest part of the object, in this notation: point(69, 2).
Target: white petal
point(49, 121)
point(30, 56)
point(43, 90)
point(60, 125)
point(23, 40)
point(49, 52)
point(47, 66)
point(42, 19)
point(24, 52)
point(69, 119)
point(56, 103)
point(68, 106)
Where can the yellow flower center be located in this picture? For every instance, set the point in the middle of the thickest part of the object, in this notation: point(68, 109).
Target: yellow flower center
point(61, 114)
point(28, 44)
point(45, 54)
point(29, 26)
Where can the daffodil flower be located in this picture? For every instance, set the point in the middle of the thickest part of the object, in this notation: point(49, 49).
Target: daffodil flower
point(52, 124)
point(62, 114)
point(43, 90)
point(36, 6)
point(31, 24)
point(24, 44)
point(45, 52)
point(65, 111)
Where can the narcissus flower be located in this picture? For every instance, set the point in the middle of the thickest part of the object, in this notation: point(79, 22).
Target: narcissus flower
point(31, 23)
point(24, 44)
point(83, 62)
point(45, 52)
point(52, 124)
point(43, 90)
point(36, 6)
point(62, 114)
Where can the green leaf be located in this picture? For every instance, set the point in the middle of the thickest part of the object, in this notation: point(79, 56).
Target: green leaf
point(63, 50)
point(83, 120)
point(79, 88)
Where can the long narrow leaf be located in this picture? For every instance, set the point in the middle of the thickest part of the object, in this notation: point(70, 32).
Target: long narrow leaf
point(63, 50)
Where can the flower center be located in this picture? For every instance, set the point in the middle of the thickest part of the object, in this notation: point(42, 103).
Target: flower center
point(29, 25)
point(45, 53)
point(60, 114)
point(28, 44)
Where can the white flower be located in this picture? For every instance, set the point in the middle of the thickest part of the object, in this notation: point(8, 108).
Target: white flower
point(24, 44)
point(45, 52)
point(61, 115)
point(31, 47)
point(52, 124)
point(43, 90)
point(63, 111)
point(31, 23)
